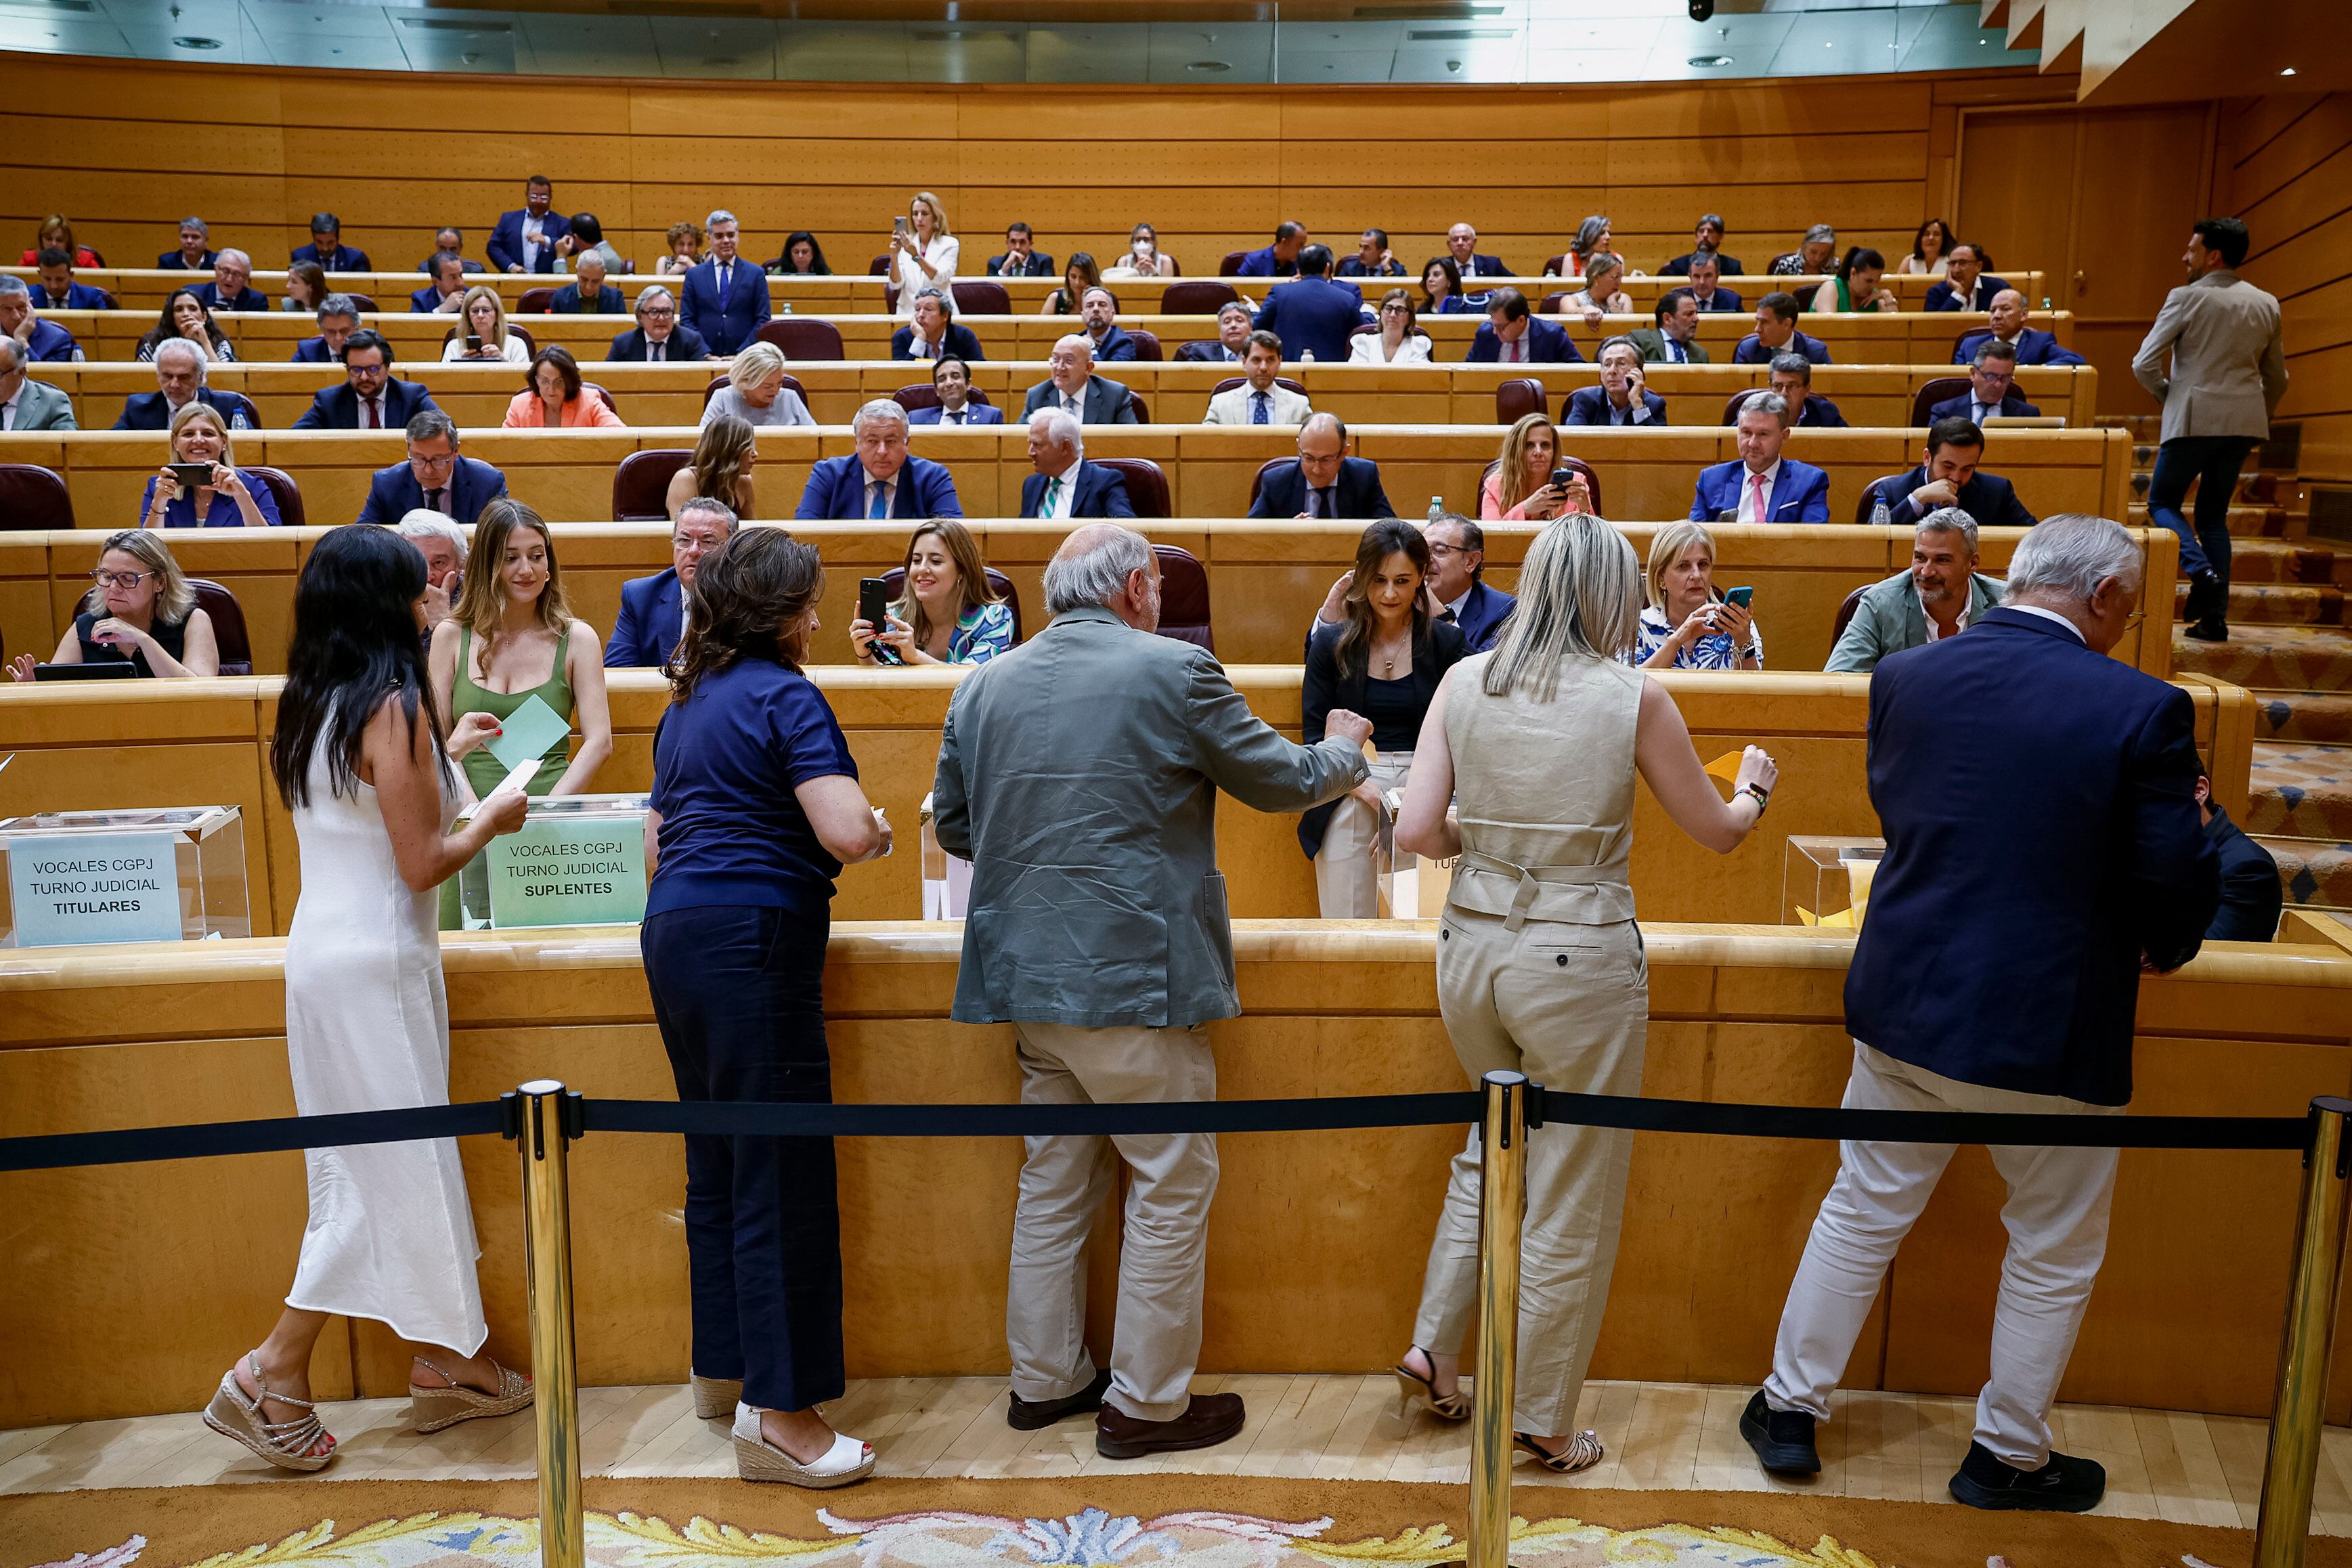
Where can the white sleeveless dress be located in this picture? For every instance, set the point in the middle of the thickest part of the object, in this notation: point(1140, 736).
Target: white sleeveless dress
point(390, 1235)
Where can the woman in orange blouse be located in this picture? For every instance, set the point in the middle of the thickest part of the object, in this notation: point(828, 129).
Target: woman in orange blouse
point(555, 399)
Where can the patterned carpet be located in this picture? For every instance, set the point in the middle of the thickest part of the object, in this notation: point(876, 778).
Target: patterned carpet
point(2301, 791)
point(2273, 658)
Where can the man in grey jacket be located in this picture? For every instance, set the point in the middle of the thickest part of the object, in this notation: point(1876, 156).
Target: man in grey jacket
point(1080, 774)
point(1942, 596)
point(26, 403)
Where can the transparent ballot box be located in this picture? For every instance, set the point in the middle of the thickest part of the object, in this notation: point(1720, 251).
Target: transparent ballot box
point(173, 873)
point(1412, 888)
point(1826, 881)
point(577, 860)
point(946, 880)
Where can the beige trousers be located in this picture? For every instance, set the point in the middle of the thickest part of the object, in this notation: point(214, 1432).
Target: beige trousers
point(1347, 876)
point(1568, 1006)
point(1063, 1180)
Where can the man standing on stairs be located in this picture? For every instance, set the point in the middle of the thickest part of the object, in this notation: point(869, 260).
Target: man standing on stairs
point(2228, 373)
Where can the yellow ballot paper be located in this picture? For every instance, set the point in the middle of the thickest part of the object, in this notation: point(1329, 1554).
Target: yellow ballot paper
point(1727, 767)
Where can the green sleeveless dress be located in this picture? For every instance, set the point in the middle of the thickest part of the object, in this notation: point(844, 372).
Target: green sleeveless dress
point(486, 773)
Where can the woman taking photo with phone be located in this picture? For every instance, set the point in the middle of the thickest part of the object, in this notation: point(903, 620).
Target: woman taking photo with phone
point(946, 613)
point(923, 250)
point(1686, 625)
point(1519, 487)
point(200, 486)
point(141, 609)
point(756, 809)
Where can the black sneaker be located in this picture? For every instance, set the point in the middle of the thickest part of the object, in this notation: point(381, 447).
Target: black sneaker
point(2064, 1485)
point(2206, 597)
point(1783, 1439)
point(1031, 1415)
point(2212, 629)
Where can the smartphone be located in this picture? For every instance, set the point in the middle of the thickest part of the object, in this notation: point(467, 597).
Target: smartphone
point(193, 475)
point(874, 602)
point(1740, 596)
point(473, 343)
point(898, 224)
point(1563, 478)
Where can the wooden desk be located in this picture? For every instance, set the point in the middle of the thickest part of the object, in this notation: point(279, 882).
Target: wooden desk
point(130, 1287)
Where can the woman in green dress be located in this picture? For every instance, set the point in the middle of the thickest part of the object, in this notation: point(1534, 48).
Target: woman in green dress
point(509, 638)
point(1853, 287)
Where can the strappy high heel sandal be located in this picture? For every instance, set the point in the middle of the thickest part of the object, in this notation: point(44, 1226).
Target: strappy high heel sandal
point(756, 1459)
point(431, 1409)
point(1419, 1390)
point(714, 1398)
point(1583, 1452)
point(288, 1444)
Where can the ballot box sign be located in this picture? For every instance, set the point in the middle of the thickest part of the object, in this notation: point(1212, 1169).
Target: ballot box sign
point(559, 871)
point(95, 887)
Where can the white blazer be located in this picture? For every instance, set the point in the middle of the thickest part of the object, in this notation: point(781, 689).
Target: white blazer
point(1366, 347)
point(943, 252)
point(1231, 406)
point(2228, 360)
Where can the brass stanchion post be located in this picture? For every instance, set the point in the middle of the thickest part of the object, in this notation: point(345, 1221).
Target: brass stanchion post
point(2292, 1469)
point(545, 1135)
point(1502, 1199)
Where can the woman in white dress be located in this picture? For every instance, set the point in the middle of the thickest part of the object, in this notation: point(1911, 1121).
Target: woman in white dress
point(1400, 340)
point(486, 321)
point(360, 760)
point(929, 255)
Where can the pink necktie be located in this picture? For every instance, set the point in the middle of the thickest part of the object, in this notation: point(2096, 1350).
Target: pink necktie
point(1757, 484)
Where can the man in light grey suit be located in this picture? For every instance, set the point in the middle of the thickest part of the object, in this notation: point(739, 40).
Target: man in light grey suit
point(2228, 373)
point(1072, 385)
point(26, 403)
point(1942, 596)
point(1080, 774)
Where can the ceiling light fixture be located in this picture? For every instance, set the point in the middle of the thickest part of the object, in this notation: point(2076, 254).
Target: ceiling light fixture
point(1706, 62)
point(191, 41)
point(1207, 66)
point(2289, 71)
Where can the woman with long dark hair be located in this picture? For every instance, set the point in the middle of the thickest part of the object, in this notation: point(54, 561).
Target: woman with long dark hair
point(361, 760)
point(186, 317)
point(756, 809)
point(803, 256)
point(1854, 285)
point(1382, 658)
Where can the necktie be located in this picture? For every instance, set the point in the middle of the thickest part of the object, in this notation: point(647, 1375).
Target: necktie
point(1258, 402)
point(375, 414)
point(1320, 505)
point(1680, 358)
point(1069, 406)
point(1978, 411)
point(1446, 615)
point(434, 501)
point(955, 415)
point(879, 503)
point(1756, 485)
point(1053, 492)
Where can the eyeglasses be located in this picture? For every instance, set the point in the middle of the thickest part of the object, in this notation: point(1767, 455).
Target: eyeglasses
point(105, 579)
point(1440, 551)
point(660, 312)
point(1998, 377)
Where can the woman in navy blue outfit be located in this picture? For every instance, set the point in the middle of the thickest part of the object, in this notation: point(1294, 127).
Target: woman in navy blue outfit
point(756, 809)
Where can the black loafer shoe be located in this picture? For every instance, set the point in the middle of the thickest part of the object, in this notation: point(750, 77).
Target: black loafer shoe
point(2212, 629)
point(2064, 1485)
point(1783, 1439)
point(1034, 1414)
point(1208, 1421)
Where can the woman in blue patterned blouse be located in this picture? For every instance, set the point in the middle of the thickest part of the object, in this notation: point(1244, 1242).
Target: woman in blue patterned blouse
point(945, 613)
point(1687, 624)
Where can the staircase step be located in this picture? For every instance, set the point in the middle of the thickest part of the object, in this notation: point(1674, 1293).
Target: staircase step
point(2274, 604)
point(2324, 717)
point(2316, 873)
point(2245, 521)
point(2301, 789)
point(2289, 560)
point(2277, 661)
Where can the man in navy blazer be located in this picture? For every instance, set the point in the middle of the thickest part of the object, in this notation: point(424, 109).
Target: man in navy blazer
point(1070, 379)
point(1776, 334)
point(1966, 285)
point(1950, 477)
point(934, 332)
point(2033, 345)
point(231, 287)
point(653, 609)
point(1992, 389)
point(525, 240)
point(1792, 379)
point(1312, 314)
point(1791, 491)
point(1067, 486)
point(43, 341)
point(328, 249)
point(1322, 481)
point(368, 399)
point(339, 318)
point(724, 298)
point(1514, 334)
point(195, 253)
point(658, 337)
point(1462, 244)
point(881, 479)
point(1022, 258)
point(1623, 398)
point(2042, 850)
point(951, 379)
point(2251, 896)
point(1704, 272)
point(447, 293)
point(588, 294)
point(59, 291)
point(435, 478)
point(1279, 259)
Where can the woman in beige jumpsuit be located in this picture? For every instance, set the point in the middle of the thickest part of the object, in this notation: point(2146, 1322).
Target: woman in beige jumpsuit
point(1539, 963)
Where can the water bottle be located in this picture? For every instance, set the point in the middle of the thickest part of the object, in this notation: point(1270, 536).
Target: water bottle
point(786, 307)
point(1306, 356)
point(2045, 301)
point(1879, 516)
point(1436, 509)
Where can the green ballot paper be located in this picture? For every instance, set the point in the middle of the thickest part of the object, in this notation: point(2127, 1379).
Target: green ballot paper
point(525, 735)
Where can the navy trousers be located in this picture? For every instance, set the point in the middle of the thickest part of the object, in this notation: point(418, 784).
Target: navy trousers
point(739, 995)
point(2213, 462)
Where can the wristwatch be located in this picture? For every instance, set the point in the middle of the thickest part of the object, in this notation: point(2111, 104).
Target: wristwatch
point(1763, 798)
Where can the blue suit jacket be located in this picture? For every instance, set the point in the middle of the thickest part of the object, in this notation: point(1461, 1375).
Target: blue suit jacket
point(172, 261)
point(2034, 346)
point(2252, 898)
point(51, 342)
point(958, 342)
point(313, 351)
point(1262, 264)
point(1485, 265)
point(2040, 836)
point(1942, 296)
point(79, 297)
point(837, 489)
point(683, 343)
point(1102, 493)
point(394, 493)
point(148, 411)
point(653, 617)
point(252, 299)
point(1724, 301)
point(1800, 495)
point(1549, 344)
point(426, 301)
point(973, 413)
point(1359, 495)
point(342, 258)
point(338, 407)
point(506, 240)
point(1116, 345)
point(2011, 408)
point(1313, 315)
point(568, 302)
point(1590, 406)
point(1480, 617)
point(1751, 350)
point(1820, 414)
point(726, 325)
point(1989, 499)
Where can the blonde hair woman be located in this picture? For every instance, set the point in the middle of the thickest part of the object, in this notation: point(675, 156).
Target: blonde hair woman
point(946, 613)
point(1539, 964)
point(1604, 293)
point(141, 609)
point(927, 253)
point(724, 456)
point(1687, 624)
point(1518, 487)
point(755, 391)
point(227, 499)
point(484, 317)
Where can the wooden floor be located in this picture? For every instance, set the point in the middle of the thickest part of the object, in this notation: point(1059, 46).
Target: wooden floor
point(2197, 1469)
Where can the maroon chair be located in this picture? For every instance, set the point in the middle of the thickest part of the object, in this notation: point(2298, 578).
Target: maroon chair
point(1135, 402)
point(1257, 481)
point(1147, 484)
point(1197, 297)
point(529, 344)
point(1591, 479)
point(536, 302)
point(923, 394)
point(220, 607)
point(1846, 607)
point(790, 383)
point(1516, 398)
point(1964, 337)
point(365, 302)
point(33, 498)
point(1731, 405)
point(606, 398)
point(1554, 300)
point(108, 294)
point(1869, 496)
point(1232, 266)
point(628, 266)
point(1935, 392)
point(284, 491)
point(1183, 597)
point(641, 484)
point(893, 582)
point(1233, 381)
point(1147, 346)
point(983, 298)
point(803, 338)
point(880, 266)
point(1556, 266)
